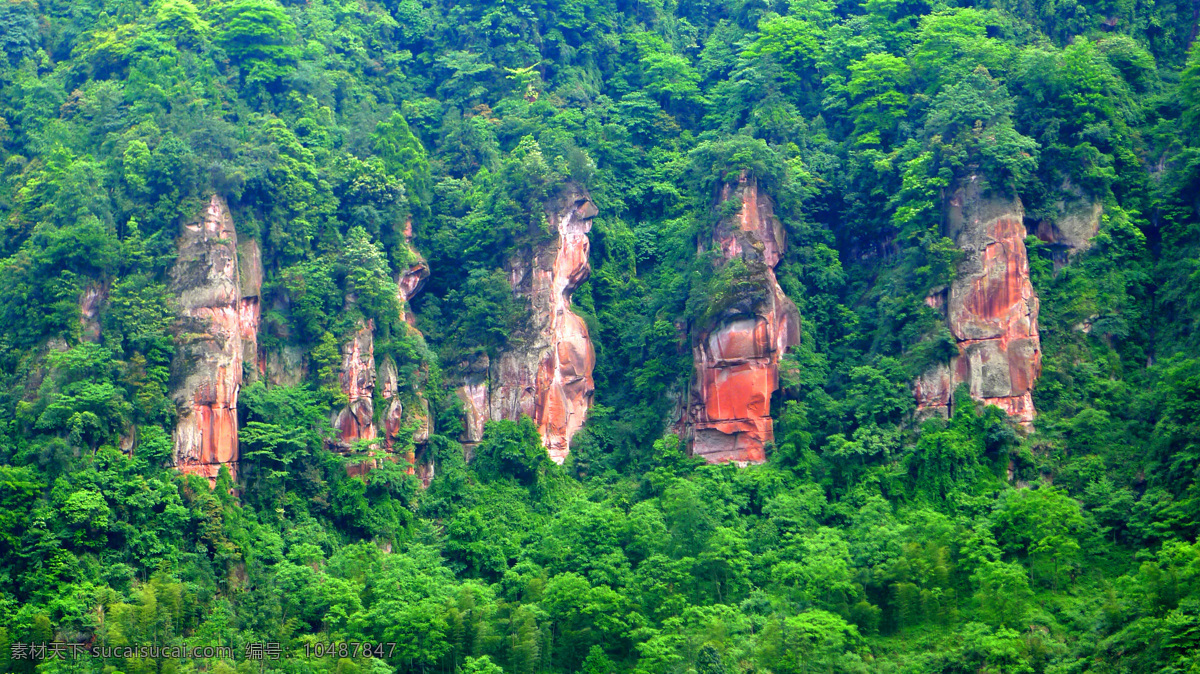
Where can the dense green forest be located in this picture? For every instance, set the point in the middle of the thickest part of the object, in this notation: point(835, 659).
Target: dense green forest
point(871, 540)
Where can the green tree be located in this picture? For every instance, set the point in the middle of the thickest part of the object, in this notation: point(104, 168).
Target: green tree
point(1002, 592)
point(876, 87)
point(404, 157)
point(1045, 526)
point(512, 449)
point(259, 36)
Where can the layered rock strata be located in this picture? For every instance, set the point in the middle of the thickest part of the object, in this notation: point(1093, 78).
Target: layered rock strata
point(727, 415)
point(548, 377)
point(990, 308)
point(218, 295)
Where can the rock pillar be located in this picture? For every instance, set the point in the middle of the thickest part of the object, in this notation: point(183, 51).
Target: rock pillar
point(549, 376)
point(990, 308)
point(217, 329)
point(727, 416)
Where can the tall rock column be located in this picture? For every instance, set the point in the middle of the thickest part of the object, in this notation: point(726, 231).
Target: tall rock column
point(728, 413)
point(217, 328)
point(1070, 228)
point(549, 377)
point(362, 378)
point(410, 281)
point(990, 308)
point(397, 414)
point(356, 421)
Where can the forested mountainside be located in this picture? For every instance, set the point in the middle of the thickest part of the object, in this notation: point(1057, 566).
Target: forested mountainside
point(600, 336)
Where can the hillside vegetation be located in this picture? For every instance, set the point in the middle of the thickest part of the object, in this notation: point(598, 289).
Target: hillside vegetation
point(873, 538)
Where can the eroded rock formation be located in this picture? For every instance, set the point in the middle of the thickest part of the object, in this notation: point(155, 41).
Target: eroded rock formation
point(728, 413)
point(1069, 230)
point(473, 392)
point(549, 377)
point(250, 279)
point(89, 311)
point(410, 281)
point(216, 332)
point(218, 282)
point(990, 308)
point(414, 412)
point(356, 420)
point(361, 382)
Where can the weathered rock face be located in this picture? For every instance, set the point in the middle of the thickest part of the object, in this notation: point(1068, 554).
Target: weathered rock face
point(1071, 227)
point(89, 311)
point(250, 273)
point(990, 308)
point(284, 366)
point(361, 382)
point(217, 329)
point(549, 377)
point(398, 415)
point(411, 280)
point(728, 413)
point(415, 413)
point(356, 421)
point(475, 400)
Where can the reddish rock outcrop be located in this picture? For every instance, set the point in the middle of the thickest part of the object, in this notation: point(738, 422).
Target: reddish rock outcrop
point(549, 377)
point(401, 411)
point(990, 308)
point(356, 420)
point(727, 416)
point(217, 329)
point(410, 281)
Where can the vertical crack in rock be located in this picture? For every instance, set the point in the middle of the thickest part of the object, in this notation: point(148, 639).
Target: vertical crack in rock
point(356, 421)
point(549, 376)
point(990, 308)
point(396, 416)
point(217, 328)
point(361, 381)
point(728, 415)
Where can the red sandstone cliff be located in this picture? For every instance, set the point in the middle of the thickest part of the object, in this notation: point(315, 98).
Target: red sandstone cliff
point(361, 381)
point(549, 377)
point(216, 334)
point(356, 421)
point(990, 308)
point(728, 413)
